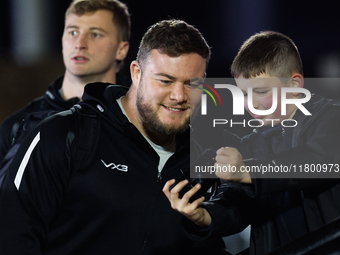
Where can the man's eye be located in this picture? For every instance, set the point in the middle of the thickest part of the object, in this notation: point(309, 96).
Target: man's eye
point(262, 92)
point(165, 82)
point(73, 33)
point(195, 85)
point(96, 35)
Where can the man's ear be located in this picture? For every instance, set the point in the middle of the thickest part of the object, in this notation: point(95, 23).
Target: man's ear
point(136, 72)
point(122, 50)
point(297, 81)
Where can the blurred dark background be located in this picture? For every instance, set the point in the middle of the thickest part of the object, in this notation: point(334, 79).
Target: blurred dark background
point(31, 30)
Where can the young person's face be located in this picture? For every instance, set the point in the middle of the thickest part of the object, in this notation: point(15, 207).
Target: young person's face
point(91, 45)
point(262, 90)
point(165, 100)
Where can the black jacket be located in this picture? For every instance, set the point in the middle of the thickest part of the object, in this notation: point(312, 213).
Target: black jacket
point(51, 101)
point(283, 209)
point(113, 206)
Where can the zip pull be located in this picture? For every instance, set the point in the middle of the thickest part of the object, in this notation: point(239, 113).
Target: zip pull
point(159, 177)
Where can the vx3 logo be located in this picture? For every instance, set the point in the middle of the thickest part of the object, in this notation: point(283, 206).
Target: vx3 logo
point(119, 167)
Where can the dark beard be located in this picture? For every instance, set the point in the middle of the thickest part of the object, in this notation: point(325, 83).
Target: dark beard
point(152, 122)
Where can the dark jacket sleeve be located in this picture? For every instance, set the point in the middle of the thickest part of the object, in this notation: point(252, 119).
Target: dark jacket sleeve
point(319, 145)
point(8, 130)
point(242, 204)
point(34, 187)
point(11, 124)
point(229, 211)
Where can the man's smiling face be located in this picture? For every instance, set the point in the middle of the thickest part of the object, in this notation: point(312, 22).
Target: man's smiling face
point(163, 95)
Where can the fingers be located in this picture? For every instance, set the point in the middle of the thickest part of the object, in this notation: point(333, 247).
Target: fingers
point(182, 204)
point(196, 204)
point(179, 187)
point(192, 211)
point(186, 197)
point(173, 194)
point(228, 151)
point(230, 160)
point(166, 188)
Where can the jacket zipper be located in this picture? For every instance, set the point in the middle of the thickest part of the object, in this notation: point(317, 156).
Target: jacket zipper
point(159, 180)
point(159, 177)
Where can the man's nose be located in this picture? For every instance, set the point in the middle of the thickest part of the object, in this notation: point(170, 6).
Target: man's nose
point(81, 42)
point(179, 92)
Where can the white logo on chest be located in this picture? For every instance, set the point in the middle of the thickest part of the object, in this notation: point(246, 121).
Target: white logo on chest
point(119, 167)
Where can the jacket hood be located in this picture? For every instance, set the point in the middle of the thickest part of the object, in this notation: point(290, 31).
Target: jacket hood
point(94, 91)
point(54, 99)
point(56, 102)
point(102, 97)
point(316, 106)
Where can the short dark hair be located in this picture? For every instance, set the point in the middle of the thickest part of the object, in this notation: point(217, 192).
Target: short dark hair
point(267, 52)
point(174, 38)
point(121, 15)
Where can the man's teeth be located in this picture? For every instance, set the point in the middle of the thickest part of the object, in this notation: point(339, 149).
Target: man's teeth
point(174, 109)
point(79, 58)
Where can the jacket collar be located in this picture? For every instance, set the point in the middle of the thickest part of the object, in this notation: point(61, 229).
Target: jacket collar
point(53, 96)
